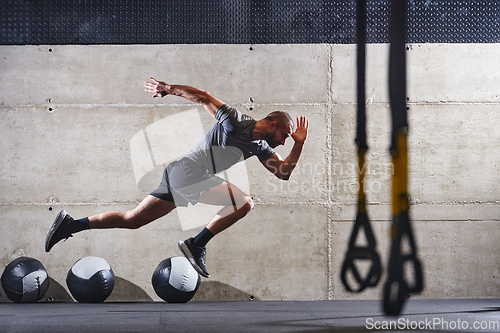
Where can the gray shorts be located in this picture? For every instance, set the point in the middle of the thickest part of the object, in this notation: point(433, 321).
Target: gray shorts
point(184, 182)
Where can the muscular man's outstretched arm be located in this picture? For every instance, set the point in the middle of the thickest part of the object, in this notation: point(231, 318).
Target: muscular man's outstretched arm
point(162, 89)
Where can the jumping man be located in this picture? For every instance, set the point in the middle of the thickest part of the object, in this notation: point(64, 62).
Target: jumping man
point(233, 138)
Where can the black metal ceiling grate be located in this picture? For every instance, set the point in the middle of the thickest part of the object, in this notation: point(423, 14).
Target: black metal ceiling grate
point(239, 22)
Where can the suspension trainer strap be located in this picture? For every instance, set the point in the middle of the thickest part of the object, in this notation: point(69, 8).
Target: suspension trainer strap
point(361, 253)
point(397, 287)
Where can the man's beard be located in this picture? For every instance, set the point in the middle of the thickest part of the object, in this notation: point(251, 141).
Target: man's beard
point(270, 139)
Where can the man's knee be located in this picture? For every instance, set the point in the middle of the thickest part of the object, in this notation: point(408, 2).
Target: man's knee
point(248, 205)
point(132, 220)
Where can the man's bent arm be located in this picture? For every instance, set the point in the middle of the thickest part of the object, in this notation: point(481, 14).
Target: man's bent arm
point(162, 89)
point(283, 168)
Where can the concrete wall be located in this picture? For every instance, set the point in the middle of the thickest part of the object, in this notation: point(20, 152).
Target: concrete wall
point(70, 113)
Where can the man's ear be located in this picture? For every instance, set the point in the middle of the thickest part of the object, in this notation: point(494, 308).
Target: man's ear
point(273, 124)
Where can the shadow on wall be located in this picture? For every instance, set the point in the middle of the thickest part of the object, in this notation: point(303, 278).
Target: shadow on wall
point(217, 291)
point(3, 297)
point(56, 293)
point(125, 290)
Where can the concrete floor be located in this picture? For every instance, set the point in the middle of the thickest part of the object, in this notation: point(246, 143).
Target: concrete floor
point(466, 315)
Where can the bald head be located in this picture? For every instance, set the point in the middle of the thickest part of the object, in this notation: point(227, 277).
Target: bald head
point(275, 128)
point(281, 118)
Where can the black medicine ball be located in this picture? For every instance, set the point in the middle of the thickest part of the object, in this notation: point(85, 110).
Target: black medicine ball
point(175, 280)
point(25, 280)
point(90, 280)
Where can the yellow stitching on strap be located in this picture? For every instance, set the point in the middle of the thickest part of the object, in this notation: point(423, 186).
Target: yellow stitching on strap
point(400, 177)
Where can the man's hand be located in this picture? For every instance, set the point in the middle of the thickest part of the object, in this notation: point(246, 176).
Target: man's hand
point(158, 88)
point(300, 134)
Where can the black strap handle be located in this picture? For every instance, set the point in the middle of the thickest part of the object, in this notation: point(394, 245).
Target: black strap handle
point(361, 253)
point(397, 287)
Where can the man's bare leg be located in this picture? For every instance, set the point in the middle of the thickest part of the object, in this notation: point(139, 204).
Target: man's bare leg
point(150, 209)
point(227, 216)
point(194, 248)
point(230, 214)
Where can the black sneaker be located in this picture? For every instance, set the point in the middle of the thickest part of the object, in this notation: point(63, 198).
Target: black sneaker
point(59, 230)
point(195, 254)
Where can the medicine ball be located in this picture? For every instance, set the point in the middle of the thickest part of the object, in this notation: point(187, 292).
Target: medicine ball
point(90, 280)
point(175, 280)
point(25, 280)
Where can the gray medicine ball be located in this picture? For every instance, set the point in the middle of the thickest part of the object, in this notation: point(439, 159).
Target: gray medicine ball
point(25, 280)
point(90, 280)
point(175, 280)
